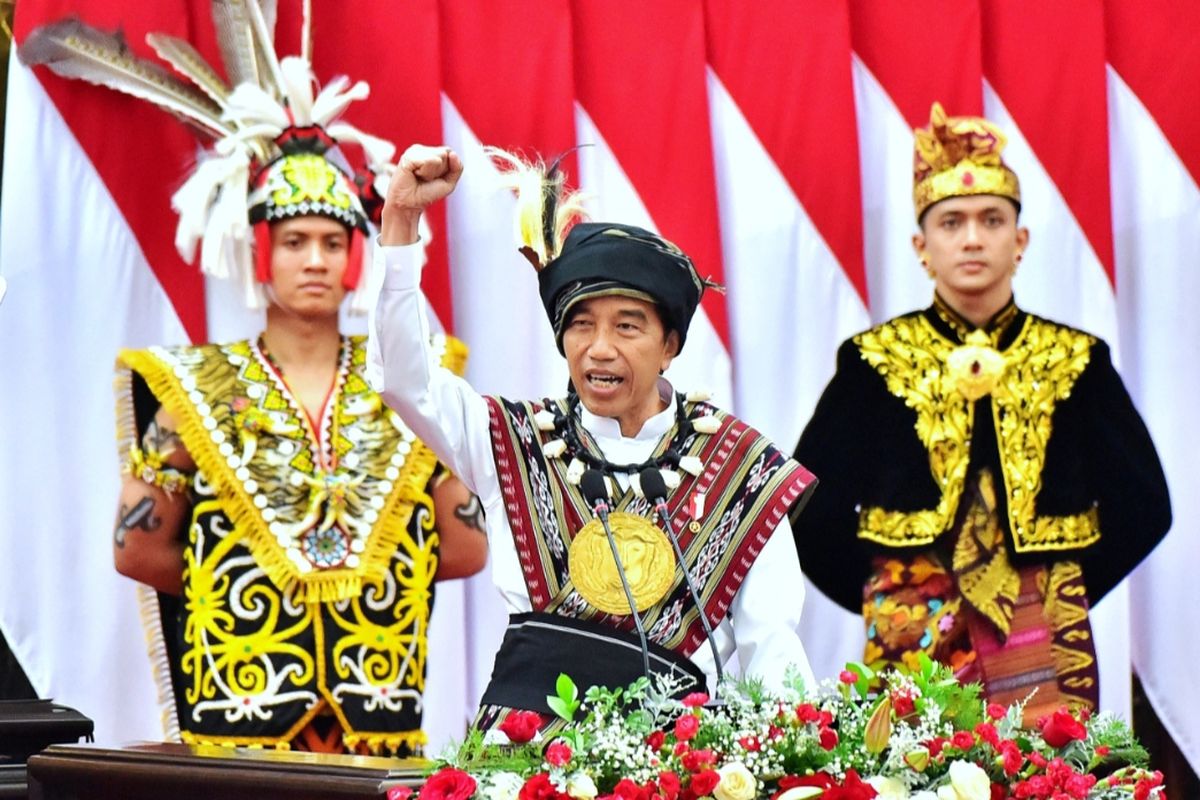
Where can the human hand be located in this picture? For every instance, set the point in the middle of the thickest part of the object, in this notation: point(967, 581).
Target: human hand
point(424, 175)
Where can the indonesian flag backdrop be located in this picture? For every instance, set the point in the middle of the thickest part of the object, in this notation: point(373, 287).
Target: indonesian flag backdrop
point(772, 141)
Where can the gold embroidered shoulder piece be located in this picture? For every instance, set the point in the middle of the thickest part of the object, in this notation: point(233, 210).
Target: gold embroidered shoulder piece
point(1040, 368)
point(321, 512)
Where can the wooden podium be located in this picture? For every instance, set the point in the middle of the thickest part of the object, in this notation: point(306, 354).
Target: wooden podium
point(187, 772)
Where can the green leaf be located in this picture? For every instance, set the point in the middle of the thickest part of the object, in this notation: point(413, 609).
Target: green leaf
point(566, 702)
point(566, 688)
point(561, 707)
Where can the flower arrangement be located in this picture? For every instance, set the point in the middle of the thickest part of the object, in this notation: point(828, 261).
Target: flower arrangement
point(916, 736)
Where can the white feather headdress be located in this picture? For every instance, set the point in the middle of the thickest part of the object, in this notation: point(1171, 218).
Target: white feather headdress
point(265, 101)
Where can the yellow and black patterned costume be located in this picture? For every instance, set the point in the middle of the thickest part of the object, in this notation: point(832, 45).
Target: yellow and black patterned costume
point(979, 488)
point(311, 552)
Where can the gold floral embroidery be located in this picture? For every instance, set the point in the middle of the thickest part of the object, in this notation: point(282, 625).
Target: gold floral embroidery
point(1041, 367)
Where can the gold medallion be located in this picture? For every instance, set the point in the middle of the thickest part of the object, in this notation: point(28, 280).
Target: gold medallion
point(975, 367)
point(646, 555)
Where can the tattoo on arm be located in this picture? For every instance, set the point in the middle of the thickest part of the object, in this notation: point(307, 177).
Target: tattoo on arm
point(159, 439)
point(140, 516)
point(471, 512)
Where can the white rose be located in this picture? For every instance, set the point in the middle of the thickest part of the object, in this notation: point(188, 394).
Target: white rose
point(581, 785)
point(967, 782)
point(888, 788)
point(501, 786)
point(737, 782)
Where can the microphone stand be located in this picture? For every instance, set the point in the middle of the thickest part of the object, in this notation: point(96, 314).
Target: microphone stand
point(596, 493)
point(655, 490)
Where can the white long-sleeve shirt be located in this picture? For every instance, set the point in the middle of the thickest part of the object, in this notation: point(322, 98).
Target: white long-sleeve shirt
point(449, 416)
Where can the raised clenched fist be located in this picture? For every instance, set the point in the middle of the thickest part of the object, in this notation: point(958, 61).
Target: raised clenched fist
point(423, 176)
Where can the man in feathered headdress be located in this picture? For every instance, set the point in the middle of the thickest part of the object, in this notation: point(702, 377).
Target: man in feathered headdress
point(620, 300)
point(985, 475)
point(283, 513)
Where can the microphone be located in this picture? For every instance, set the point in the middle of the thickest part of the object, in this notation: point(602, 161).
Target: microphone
point(595, 492)
point(655, 490)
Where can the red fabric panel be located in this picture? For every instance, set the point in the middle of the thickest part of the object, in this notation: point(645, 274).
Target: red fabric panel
point(640, 71)
point(142, 154)
point(1053, 84)
point(509, 71)
point(1152, 45)
point(804, 115)
point(922, 53)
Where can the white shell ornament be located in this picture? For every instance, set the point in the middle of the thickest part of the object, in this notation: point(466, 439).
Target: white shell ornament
point(544, 420)
point(691, 465)
point(554, 448)
point(706, 424)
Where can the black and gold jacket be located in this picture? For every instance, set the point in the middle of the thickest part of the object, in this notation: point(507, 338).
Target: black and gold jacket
point(922, 402)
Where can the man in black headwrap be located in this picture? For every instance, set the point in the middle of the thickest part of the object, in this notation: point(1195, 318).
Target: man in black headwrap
point(620, 300)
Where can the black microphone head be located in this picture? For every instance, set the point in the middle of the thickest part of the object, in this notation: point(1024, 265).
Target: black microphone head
point(653, 485)
point(594, 489)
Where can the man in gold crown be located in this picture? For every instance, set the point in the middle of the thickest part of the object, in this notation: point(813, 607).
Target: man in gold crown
point(284, 514)
point(985, 476)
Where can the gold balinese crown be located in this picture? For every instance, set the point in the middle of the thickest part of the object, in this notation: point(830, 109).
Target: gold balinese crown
point(957, 156)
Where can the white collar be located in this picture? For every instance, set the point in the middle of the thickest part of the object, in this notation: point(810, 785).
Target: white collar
point(652, 430)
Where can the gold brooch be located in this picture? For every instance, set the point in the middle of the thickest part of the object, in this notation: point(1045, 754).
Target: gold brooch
point(975, 367)
point(645, 553)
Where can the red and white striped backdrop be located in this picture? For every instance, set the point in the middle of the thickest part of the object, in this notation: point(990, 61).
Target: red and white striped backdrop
point(770, 140)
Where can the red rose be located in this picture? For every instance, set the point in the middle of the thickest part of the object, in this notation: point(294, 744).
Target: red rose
point(669, 784)
point(521, 726)
point(853, 788)
point(1103, 750)
point(1078, 786)
point(539, 787)
point(697, 760)
point(903, 705)
point(820, 780)
point(828, 738)
point(680, 748)
point(996, 711)
point(963, 740)
point(986, 731)
point(399, 793)
point(750, 744)
point(935, 745)
point(774, 732)
point(998, 792)
point(806, 712)
point(628, 790)
point(655, 740)
point(695, 699)
point(448, 784)
point(825, 719)
point(703, 783)
point(558, 753)
point(1012, 757)
point(686, 727)
point(1060, 729)
point(847, 677)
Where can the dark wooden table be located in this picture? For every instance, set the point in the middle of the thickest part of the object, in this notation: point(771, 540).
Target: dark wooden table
point(186, 772)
